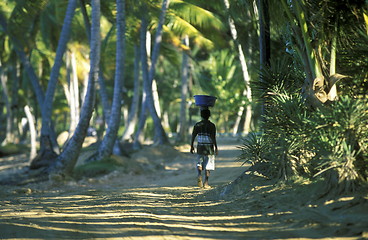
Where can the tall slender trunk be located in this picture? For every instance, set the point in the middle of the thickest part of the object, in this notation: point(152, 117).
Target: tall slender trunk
point(32, 130)
point(332, 94)
point(239, 116)
point(132, 116)
point(148, 76)
point(264, 39)
point(72, 92)
point(183, 125)
point(45, 141)
point(9, 112)
point(160, 135)
point(68, 158)
point(15, 76)
point(144, 66)
point(156, 98)
point(246, 77)
point(101, 81)
point(106, 147)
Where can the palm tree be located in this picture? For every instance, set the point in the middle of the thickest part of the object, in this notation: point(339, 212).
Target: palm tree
point(148, 74)
point(108, 141)
point(20, 48)
point(67, 159)
point(183, 130)
point(247, 91)
point(45, 141)
point(315, 26)
point(132, 116)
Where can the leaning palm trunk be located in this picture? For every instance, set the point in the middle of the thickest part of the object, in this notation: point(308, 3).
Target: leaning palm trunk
point(148, 76)
point(246, 76)
point(32, 77)
point(108, 141)
point(50, 92)
point(67, 159)
point(160, 135)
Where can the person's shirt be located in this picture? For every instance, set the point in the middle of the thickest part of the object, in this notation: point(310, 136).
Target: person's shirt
point(205, 131)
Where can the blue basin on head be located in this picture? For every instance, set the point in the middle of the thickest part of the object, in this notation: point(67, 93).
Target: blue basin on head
point(204, 100)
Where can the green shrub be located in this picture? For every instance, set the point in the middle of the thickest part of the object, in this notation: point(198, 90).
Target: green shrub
point(330, 142)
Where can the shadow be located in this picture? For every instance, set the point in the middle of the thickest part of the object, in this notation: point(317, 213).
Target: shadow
point(158, 213)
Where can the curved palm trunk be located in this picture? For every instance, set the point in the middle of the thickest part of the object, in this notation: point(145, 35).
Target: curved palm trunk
point(45, 140)
point(246, 77)
point(32, 77)
point(147, 98)
point(108, 141)
point(68, 158)
point(160, 135)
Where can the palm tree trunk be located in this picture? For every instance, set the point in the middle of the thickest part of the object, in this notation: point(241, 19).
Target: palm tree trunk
point(101, 81)
point(132, 116)
point(45, 141)
point(160, 135)
point(144, 65)
point(156, 98)
point(332, 95)
point(106, 147)
point(183, 128)
point(68, 158)
point(148, 76)
point(264, 38)
point(71, 90)
point(9, 112)
point(246, 76)
point(32, 130)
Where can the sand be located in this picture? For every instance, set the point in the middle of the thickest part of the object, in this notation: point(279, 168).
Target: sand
point(165, 203)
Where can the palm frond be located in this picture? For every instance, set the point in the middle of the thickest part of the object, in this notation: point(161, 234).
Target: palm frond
point(197, 16)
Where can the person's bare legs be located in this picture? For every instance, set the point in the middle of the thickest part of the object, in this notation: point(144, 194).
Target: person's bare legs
point(206, 185)
point(199, 177)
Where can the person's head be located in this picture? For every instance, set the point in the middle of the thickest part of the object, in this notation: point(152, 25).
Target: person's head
point(205, 113)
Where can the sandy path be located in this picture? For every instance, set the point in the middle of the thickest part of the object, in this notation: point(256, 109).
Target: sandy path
point(164, 206)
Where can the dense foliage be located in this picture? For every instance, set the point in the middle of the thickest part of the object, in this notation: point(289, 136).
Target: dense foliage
point(297, 141)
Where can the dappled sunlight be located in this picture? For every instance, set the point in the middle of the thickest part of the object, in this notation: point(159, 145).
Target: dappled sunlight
point(140, 212)
point(167, 204)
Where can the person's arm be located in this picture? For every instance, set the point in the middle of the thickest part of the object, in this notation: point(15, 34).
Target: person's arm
point(213, 136)
point(194, 134)
point(215, 143)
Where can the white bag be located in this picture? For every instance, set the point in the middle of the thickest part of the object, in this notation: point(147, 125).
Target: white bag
point(211, 162)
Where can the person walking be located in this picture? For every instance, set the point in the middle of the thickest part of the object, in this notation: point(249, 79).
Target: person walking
point(205, 132)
